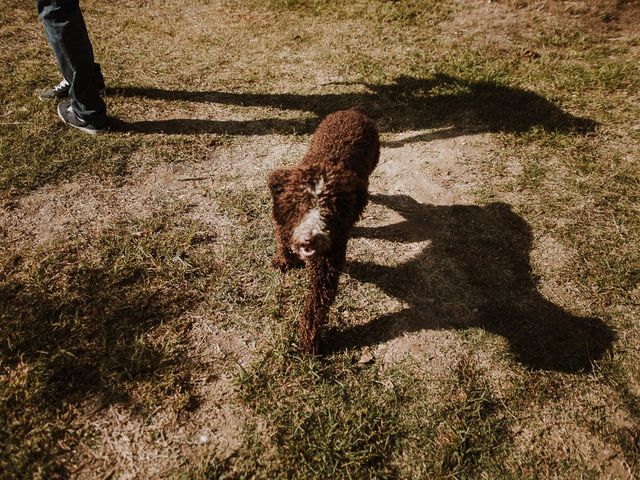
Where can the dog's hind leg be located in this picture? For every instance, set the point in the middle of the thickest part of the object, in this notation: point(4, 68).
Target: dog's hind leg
point(324, 274)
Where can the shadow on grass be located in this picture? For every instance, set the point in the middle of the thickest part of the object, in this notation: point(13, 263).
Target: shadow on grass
point(88, 314)
point(449, 105)
point(475, 272)
point(95, 320)
point(92, 341)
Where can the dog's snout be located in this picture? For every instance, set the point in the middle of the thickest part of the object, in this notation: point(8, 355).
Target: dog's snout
point(310, 237)
point(307, 245)
point(306, 239)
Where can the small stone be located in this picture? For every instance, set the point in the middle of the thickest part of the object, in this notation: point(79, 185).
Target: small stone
point(366, 357)
point(202, 439)
point(388, 384)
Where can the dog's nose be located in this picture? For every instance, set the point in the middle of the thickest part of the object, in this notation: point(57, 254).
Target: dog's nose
point(306, 239)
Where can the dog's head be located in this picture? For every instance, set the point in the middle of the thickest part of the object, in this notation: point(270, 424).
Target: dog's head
point(301, 203)
point(312, 235)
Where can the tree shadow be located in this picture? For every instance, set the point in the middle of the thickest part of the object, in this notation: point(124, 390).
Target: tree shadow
point(96, 321)
point(474, 272)
point(450, 106)
point(87, 316)
point(90, 343)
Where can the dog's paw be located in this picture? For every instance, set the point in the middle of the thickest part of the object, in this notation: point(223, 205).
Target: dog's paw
point(309, 346)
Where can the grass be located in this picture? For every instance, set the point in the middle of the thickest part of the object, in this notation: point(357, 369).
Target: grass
point(336, 419)
point(95, 318)
point(402, 13)
point(503, 331)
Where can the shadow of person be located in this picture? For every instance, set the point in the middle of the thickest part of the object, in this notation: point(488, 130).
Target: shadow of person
point(474, 272)
point(195, 126)
point(447, 105)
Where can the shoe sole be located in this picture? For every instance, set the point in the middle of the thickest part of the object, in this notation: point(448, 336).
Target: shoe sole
point(101, 94)
point(90, 131)
point(49, 99)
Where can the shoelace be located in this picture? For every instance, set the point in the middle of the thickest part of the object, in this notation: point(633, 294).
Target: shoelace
point(63, 85)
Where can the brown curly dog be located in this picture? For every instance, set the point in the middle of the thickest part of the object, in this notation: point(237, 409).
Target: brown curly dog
point(315, 205)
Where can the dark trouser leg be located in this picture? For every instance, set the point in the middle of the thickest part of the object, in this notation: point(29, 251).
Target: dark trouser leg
point(67, 34)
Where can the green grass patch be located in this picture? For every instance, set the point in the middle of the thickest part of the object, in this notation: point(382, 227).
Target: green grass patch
point(337, 419)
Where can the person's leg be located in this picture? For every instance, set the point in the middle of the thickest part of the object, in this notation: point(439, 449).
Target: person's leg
point(67, 34)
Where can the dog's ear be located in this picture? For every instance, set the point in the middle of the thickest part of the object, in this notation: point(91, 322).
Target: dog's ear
point(278, 179)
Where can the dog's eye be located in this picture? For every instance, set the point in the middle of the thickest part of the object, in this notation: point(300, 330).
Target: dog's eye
point(277, 180)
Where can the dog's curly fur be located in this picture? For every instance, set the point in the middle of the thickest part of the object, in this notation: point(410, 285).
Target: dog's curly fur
point(315, 205)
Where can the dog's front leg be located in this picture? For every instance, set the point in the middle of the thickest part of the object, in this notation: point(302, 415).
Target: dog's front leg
point(324, 274)
point(283, 258)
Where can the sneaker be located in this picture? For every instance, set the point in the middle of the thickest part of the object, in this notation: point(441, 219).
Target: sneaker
point(62, 91)
point(59, 91)
point(68, 116)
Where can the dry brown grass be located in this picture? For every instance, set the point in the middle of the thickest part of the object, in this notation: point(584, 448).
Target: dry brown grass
point(486, 326)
